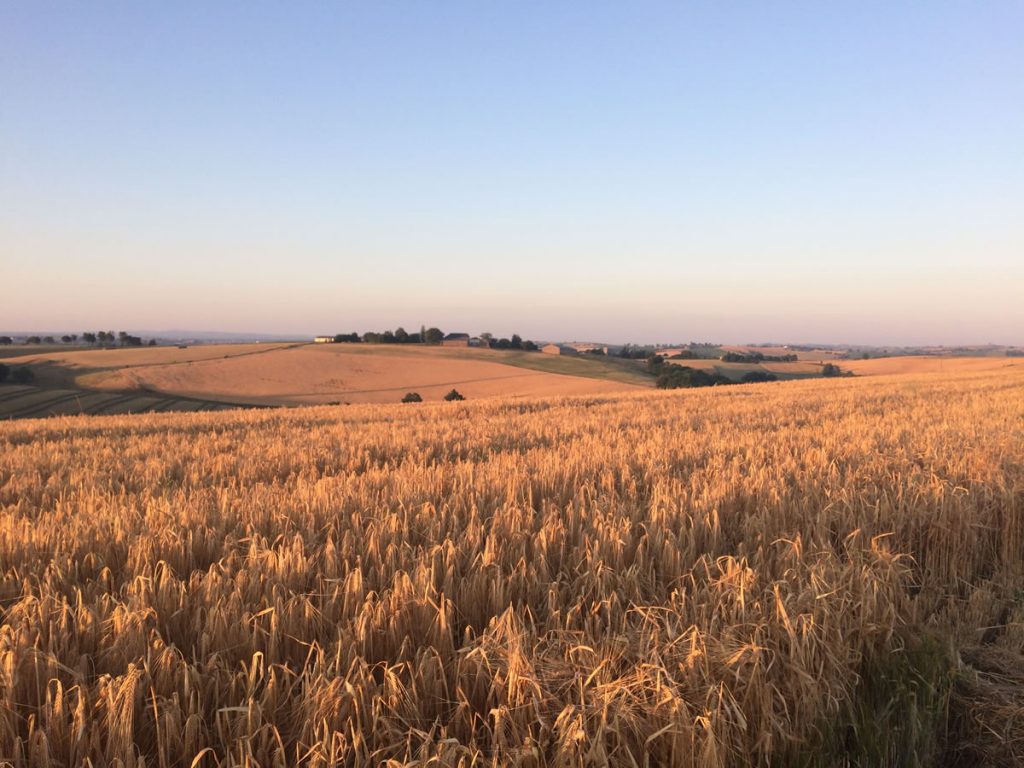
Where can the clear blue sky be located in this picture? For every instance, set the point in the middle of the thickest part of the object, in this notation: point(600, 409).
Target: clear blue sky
point(618, 171)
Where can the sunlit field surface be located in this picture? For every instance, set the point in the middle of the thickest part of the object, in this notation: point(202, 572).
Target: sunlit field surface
point(817, 572)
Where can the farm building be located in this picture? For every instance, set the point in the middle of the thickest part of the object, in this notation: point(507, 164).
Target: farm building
point(456, 340)
point(558, 349)
point(324, 339)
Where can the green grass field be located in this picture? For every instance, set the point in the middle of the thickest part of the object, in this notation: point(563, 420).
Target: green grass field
point(588, 366)
point(735, 371)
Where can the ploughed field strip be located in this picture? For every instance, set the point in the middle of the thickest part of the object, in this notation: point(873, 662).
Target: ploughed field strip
point(812, 573)
point(26, 402)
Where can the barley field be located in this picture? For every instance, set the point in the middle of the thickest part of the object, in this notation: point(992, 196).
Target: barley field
point(822, 572)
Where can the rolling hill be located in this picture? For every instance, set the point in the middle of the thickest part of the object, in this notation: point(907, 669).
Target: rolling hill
point(297, 374)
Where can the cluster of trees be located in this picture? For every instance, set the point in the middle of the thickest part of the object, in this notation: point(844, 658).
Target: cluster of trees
point(705, 350)
point(20, 375)
point(102, 338)
point(414, 397)
point(127, 340)
point(831, 369)
point(693, 352)
point(107, 338)
point(397, 336)
point(427, 336)
point(516, 342)
point(681, 376)
point(757, 357)
point(632, 352)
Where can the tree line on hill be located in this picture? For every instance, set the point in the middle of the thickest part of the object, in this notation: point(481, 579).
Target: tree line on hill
point(757, 357)
point(702, 352)
point(95, 338)
point(670, 376)
point(397, 336)
point(428, 336)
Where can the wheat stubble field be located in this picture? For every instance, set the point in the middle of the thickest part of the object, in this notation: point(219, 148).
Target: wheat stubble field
point(820, 572)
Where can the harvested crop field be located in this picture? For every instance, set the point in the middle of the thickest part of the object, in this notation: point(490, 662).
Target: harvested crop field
point(323, 373)
point(947, 365)
point(881, 366)
point(823, 572)
point(69, 367)
point(121, 357)
point(27, 402)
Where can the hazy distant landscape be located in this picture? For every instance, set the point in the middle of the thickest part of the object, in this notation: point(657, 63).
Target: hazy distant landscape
point(123, 376)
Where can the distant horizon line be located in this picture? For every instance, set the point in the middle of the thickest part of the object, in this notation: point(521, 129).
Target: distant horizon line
point(206, 335)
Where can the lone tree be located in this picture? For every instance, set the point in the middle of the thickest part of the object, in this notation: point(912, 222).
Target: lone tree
point(454, 395)
point(412, 397)
point(830, 369)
